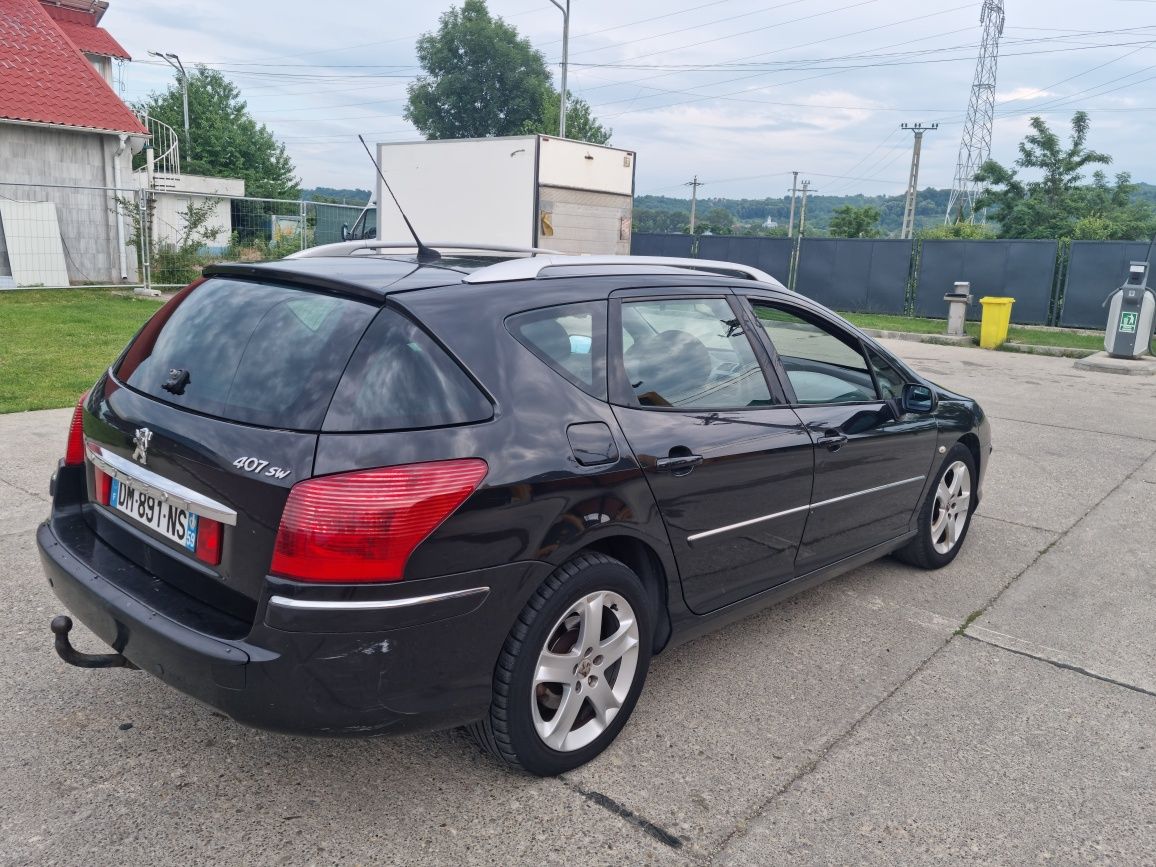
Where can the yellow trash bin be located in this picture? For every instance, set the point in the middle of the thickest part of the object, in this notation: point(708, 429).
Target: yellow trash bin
point(996, 318)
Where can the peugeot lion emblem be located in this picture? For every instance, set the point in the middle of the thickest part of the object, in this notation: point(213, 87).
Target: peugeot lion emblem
point(141, 441)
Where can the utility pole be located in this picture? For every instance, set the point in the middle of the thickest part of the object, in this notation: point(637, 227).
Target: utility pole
point(797, 251)
point(175, 62)
point(565, 10)
point(794, 193)
point(918, 129)
point(694, 185)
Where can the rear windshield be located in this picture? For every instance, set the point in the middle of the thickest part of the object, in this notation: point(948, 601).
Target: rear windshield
point(251, 352)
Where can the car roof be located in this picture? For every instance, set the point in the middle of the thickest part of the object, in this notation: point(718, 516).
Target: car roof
point(375, 276)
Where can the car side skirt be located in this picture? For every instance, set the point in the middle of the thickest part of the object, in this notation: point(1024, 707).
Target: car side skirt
point(687, 628)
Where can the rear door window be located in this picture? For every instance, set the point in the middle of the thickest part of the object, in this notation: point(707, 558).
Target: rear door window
point(256, 353)
point(690, 354)
point(400, 379)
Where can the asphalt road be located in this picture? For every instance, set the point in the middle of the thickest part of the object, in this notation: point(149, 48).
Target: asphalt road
point(852, 724)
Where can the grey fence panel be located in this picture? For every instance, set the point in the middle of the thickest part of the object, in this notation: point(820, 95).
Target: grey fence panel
point(1024, 270)
point(1094, 270)
point(325, 221)
point(661, 245)
point(861, 275)
point(772, 255)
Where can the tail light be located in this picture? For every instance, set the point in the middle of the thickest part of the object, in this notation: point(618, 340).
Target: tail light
point(74, 452)
point(208, 545)
point(363, 526)
point(103, 485)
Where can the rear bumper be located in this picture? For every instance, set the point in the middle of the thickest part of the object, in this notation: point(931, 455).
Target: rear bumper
point(345, 668)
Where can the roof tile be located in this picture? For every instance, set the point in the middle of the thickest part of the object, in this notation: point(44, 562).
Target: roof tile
point(93, 40)
point(45, 79)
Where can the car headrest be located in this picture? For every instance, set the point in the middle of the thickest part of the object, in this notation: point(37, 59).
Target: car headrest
point(668, 366)
point(549, 336)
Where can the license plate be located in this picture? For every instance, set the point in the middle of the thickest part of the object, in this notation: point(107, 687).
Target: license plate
point(172, 522)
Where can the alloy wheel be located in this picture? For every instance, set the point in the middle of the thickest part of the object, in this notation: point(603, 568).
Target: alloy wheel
point(585, 670)
point(949, 513)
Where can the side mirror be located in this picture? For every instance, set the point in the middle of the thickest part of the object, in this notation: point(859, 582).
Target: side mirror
point(345, 232)
point(918, 398)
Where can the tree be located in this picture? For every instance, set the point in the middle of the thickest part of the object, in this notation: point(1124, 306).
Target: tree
point(481, 78)
point(850, 222)
point(957, 231)
point(225, 140)
point(580, 123)
point(1057, 205)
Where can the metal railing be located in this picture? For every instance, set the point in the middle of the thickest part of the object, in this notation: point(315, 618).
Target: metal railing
point(55, 236)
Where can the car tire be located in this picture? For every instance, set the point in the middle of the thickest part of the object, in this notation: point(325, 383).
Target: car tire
point(544, 726)
point(945, 515)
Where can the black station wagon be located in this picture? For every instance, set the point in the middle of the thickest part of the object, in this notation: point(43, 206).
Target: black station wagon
point(362, 494)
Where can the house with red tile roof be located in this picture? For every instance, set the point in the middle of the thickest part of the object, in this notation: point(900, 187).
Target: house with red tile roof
point(66, 137)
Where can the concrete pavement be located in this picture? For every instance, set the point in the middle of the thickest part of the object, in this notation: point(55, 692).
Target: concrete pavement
point(851, 724)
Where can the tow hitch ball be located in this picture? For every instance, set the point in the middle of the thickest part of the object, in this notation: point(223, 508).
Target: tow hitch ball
point(61, 626)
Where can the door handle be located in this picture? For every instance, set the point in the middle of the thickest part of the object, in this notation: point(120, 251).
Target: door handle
point(833, 440)
point(679, 464)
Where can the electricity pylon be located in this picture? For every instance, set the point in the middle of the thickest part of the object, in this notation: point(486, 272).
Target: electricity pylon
point(975, 146)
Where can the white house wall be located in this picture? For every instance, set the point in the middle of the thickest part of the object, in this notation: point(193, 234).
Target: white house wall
point(33, 157)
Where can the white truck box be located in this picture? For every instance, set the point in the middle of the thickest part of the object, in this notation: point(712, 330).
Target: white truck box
point(524, 191)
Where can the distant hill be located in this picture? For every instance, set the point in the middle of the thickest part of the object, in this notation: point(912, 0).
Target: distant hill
point(666, 214)
point(338, 196)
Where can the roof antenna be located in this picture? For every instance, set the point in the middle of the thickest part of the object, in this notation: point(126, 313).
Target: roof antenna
point(425, 254)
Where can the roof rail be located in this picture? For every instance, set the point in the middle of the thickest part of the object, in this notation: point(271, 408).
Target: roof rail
point(349, 248)
point(531, 269)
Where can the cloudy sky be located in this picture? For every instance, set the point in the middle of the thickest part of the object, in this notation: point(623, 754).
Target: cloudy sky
point(739, 92)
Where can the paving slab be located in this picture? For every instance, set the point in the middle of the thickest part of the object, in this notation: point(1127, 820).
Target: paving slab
point(950, 770)
point(19, 512)
point(1050, 477)
point(731, 717)
point(1036, 388)
point(104, 766)
point(30, 445)
point(1089, 601)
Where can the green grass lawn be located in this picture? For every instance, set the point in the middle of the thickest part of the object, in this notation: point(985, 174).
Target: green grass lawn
point(54, 343)
point(1034, 336)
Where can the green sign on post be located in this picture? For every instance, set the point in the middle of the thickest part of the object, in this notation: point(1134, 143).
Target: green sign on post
point(1128, 321)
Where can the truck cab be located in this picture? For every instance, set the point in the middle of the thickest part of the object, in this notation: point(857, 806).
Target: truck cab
point(364, 227)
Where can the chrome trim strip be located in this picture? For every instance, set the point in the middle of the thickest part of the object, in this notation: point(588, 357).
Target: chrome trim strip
point(912, 480)
point(160, 487)
point(786, 512)
point(742, 524)
point(371, 604)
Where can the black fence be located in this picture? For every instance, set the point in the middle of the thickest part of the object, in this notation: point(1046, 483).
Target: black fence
point(1023, 270)
point(664, 245)
point(890, 276)
point(855, 274)
point(1095, 268)
point(772, 255)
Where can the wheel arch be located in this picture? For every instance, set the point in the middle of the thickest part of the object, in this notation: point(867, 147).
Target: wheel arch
point(970, 440)
point(645, 562)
